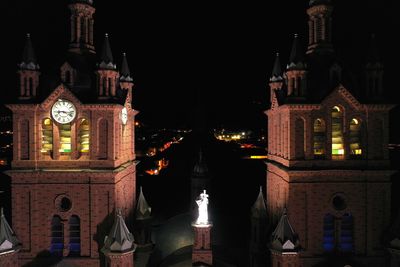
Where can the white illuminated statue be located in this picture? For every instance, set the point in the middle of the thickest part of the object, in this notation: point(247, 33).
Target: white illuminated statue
point(203, 212)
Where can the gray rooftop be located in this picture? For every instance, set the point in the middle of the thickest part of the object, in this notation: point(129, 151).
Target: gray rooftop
point(143, 210)
point(8, 240)
point(119, 239)
point(284, 237)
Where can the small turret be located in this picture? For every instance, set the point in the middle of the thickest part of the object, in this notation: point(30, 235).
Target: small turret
point(285, 245)
point(119, 245)
point(107, 73)
point(296, 70)
point(28, 72)
point(374, 72)
point(259, 229)
point(9, 244)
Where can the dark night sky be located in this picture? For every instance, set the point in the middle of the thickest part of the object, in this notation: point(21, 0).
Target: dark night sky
point(180, 52)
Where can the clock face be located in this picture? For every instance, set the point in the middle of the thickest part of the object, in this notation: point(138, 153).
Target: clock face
point(124, 116)
point(63, 111)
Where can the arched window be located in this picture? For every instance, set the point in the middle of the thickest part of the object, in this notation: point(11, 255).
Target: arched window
point(74, 236)
point(105, 88)
point(103, 139)
point(83, 29)
point(299, 138)
point(25, 86)
point(57, 236)
point(65, 139)
point(329, 233)
point(30, 90)
point(24, 140)
point(346, 233)
point(319, 138)
point(84, 136)
point(47, 137)
point(337, 134)
point(355, 138)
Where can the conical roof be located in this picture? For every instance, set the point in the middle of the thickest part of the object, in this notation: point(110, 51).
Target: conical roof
point(119, 239)
point(277, 74)
point(143, 210)
point(200, 168)
point(28, 56)
point(8, 240)
point(106, 57)
point(284, 238)
point(296, 59)
point(259, 208)
point(125, 73)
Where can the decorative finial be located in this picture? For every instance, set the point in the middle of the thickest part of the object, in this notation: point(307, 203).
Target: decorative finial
point(1, 212)
point(284, 211)
point(277, 54)
point(106, 35)
point(119, 212)
point(124, 54)
point(260, 188)
point(141, 191)
point(28, 35)
point(296, 35)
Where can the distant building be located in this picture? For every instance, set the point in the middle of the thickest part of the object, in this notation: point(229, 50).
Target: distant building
point(328, 161)
point(73, 159)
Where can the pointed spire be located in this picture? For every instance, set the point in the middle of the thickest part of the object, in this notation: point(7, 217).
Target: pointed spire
point(277, 75)
point(200, 167)
point(284, 238)
point(125, 73)
point(373, 54)
point(8, 240)
point(106, 58)
point(28, 56)
point(296, 59)
point(259, 208)
point(119, 238)
point(143, 210)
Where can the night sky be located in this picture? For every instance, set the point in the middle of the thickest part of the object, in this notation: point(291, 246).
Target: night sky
point(212, 57)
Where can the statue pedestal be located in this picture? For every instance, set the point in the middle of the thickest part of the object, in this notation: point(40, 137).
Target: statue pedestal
point(202, 251)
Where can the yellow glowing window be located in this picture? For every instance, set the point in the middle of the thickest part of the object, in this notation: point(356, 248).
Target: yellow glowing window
point(65, 138)
point(355, 137)
point(337, 132)
point(84, 136)
point(47, 136)
point(319, 137)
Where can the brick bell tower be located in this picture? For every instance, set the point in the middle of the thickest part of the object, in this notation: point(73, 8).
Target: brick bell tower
point(73, 165)
point(328, 159)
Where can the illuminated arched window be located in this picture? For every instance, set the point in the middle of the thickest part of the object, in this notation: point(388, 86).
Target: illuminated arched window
point(57, 236)
point(47, 137)
point(355, 138)
point(319, 138)
point(84, 136)
point(337, 134)
point(329, 233)
point(65, 139)
point(74, 236)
